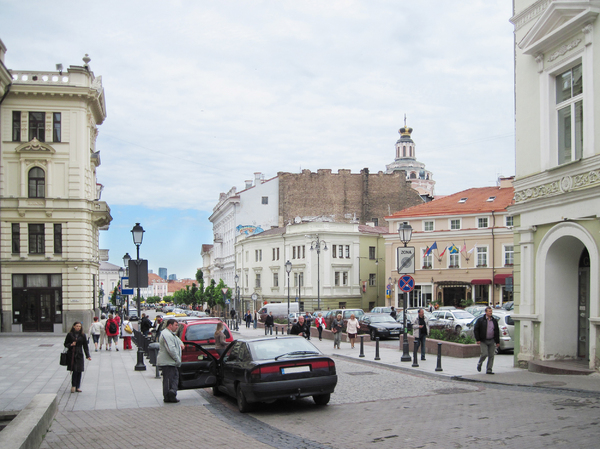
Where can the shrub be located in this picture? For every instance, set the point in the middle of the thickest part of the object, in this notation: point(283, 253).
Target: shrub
point(451, 335)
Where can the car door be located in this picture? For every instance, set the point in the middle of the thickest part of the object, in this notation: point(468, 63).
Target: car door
point(232, 366)
point(201, 373)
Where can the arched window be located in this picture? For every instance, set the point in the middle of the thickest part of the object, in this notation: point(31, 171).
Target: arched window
point(37, 183)
point(413, 175)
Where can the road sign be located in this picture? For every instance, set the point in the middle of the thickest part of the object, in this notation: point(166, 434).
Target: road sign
point(225, 290)
point(125, 290)
point(406, 259)
point(406, 283)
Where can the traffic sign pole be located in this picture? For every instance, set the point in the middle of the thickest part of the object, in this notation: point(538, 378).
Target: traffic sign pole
point(406, 283)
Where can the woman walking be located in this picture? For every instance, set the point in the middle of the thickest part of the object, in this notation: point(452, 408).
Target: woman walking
point(336, 328)
point(127, 334)
point(220, 339)
point(96, 331)
point(320, 323)
point(103, 332)
point(352, 328)
point(76, 344)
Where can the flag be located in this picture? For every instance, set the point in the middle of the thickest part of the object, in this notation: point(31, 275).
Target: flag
point(464, 248)
point(472, 249)
point(443, 251)
point(453, 249)
point(431, 248)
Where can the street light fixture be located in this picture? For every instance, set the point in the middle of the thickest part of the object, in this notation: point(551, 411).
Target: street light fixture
point(126, 259)
point(138, 235)
point(288, 270)
point(405, 234)
point(316, 244)
point(236, 278)
point(120, 301)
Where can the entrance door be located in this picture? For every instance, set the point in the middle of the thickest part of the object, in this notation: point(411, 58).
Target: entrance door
point(583, 304)
point(38, 311)
point(29, 309)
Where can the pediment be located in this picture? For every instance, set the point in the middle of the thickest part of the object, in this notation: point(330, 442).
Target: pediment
point(560, 21)
point(35, 146)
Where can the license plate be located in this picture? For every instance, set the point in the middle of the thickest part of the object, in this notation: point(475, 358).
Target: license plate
point(395, 332)
point(295, 369)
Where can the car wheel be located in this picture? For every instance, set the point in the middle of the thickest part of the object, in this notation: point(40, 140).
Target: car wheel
point(216, 391)
point(322, 399)
point(373, 335)
point(458, 328)
point(243, 405)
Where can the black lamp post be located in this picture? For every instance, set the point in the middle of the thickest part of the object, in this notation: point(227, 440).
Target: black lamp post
point(138, 235)
point(236, 299)
point(405, 233)
point(120, 302)
point(316, 244)
point(126, 259)
point(288, 270)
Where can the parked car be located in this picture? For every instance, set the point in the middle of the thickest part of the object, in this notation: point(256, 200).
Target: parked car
point(506, 327)
point(263, 370)
point(434, 322)
point(387, 310)
point(133, 315)
point(379, 325)
point(459, 318)
point(476, 310)
point(358, 313)
point(509, 305)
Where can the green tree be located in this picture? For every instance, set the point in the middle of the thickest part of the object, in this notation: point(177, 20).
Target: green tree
point(199, 295)
point(219, 289)
point(153, 299)
point(113, 297)
point(211, 295)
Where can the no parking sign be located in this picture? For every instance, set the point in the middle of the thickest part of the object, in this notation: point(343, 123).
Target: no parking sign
point(406, 283)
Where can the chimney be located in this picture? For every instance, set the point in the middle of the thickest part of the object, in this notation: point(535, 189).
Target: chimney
point(257, 178)
point(505, 182)
point(248, 183)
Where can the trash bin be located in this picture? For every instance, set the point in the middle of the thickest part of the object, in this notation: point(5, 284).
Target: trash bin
point(153, 353)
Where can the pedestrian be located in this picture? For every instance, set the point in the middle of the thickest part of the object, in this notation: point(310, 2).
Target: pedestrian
point(127, 333)
point(248, 319)
point(112, 332)
point(269, 323)
point(169, 359)
point(95, 331)
point(76, 344)
point(487, 335)
point(336, 328)
point(157, 322)
point(232, 313)
point(352, 328)
point(393, 313)
point(420, 327)
point(320, 323)
point(300, 328)
point(145, 325)
point(308, 321)
point(430, 307)
point(220, 339)
point(103, 339)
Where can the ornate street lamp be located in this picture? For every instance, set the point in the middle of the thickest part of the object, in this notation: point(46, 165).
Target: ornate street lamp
point(138, 235)
point(405, 233)
point(316, 244)
point(236, 278)
point(288, 270)
point(126, 259)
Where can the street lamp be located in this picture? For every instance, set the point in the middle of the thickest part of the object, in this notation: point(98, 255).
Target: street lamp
point(405, 234)
point(236, 278)
point(316, 244)
point(288, 270)
point(138, 235)
point(126, 259)
point(120, 301)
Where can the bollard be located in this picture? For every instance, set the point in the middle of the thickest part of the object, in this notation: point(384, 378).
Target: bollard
point(415, 360)
point(276, 330)
point(266, 329)
point(362, 346)
point(153, 351)
point(439, 358)
point(377, 348)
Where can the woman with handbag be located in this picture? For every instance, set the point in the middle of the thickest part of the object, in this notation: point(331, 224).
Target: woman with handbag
point(76, 343)
point(336, 328)
point(127, 333)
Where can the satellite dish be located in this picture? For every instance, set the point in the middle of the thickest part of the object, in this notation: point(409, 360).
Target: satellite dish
point(297, 220)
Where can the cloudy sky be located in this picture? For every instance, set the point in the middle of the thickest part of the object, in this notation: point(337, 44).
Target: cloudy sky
point(201, 94)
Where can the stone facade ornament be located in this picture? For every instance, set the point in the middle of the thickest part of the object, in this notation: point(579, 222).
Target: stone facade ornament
point(565, 184)
point(564, 49)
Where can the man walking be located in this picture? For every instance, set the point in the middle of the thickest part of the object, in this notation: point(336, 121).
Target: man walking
point(487, 334)
point(421, 331)
point(169, 359)
point(301, 328)
point(269, 322)
point(112, 331)
point(145, 325)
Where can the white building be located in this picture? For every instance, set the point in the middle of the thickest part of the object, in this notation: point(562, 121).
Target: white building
point(49, 197)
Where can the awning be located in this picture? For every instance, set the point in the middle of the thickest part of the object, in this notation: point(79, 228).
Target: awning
point(481, 281)
point(501, 278)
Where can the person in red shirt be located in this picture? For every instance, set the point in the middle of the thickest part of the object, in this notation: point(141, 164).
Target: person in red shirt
point(320, 323)
point(112, 331)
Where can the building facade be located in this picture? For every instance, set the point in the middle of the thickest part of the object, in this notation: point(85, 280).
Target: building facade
point(50, 198)
point(557, 185)
point(464, 249)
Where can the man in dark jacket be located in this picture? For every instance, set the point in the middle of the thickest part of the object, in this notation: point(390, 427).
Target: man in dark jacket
point(145, 324)
point(487, 334)
point(269, 322)
point(301, 328)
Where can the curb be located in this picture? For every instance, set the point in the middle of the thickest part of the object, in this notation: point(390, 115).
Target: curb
point(541, 387)
point(28, 429)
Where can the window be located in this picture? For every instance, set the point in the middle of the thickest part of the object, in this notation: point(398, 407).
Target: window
point(336, 279)
point(347, 251)
point(37, 126)
point(16, 238)
point(491, 199)
point(345, 277)
point(275, 253)
point(56, 127)
point(462, 200)
point(334, 251)
point(298, 252)
point(372, 252)
point(247, 259)
point(427, 260)
point(258, 255)
point(509, 221)
point(298, 279)
point(57, 238)
point(509, 255)
point(36, 239)
point(482, 222)
point(481, 257)
point(428, 226)
point(257, 281)
point(372, 280)
point(454, 260)
point(275, 279)
point(375, 221)
point(16, 136)
point(265, 200)
point(455, 224)
point(569, 109)
point(37, 183)
point(341, 251)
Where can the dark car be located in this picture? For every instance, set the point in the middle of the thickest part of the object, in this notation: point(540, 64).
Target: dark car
point(263, 370)
point(379, 325)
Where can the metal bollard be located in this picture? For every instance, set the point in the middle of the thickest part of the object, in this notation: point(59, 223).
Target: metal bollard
point(377, 348)
point(276, 330)
point(362, 346)
point(439, 358)
point(153, 352)
point(415, 360)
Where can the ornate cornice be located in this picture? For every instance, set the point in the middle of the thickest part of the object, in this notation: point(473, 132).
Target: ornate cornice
point(564, 49)
point(565, 184)
point(527, 15)
point(35, 146)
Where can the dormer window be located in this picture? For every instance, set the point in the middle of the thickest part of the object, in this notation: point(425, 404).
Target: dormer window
point(462, 200)
point(491, 199)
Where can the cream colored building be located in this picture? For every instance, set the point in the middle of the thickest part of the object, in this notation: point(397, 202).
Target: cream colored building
point(49, 198)
point(557, 185)
point(471, 232)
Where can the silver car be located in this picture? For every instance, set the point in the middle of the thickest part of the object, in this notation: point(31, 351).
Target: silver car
point(460, 318)
point(506, 326)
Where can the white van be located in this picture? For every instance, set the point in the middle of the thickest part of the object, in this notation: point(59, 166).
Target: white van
point(279, 310)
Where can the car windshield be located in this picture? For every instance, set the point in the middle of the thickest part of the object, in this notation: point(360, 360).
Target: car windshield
point(382, 319)
point(203, 331)
point(281, 347)
point(463, 315)
point(357, 314)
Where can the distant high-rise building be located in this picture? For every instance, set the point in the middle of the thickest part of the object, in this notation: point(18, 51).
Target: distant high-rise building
point(162, 272)
point(172, 277)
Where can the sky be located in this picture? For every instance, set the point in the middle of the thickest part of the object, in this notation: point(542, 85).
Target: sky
point(202, 94)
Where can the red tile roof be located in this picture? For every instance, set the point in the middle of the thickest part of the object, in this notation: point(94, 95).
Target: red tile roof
point(175, 286)
point(154, 278)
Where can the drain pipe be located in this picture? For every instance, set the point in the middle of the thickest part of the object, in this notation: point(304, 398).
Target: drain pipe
point(493, 257)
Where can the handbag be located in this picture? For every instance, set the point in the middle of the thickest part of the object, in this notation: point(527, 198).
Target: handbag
point(63, 357)
point(128, 329)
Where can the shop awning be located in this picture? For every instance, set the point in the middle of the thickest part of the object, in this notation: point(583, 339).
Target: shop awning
point(481, 281)
point(501, 278)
